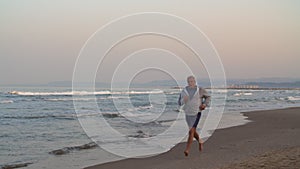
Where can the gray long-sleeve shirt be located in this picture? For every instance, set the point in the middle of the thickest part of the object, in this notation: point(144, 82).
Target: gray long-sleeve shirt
point(204, 96)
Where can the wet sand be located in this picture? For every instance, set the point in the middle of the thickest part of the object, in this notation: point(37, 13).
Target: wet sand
point(270, 140)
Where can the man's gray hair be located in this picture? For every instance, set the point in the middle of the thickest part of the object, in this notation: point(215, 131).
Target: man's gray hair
point(191, 77)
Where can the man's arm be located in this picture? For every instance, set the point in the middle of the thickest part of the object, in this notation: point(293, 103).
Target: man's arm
point(205, 98)
point(179, 100)
point(183, 98)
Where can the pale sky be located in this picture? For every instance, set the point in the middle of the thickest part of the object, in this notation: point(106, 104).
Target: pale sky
point(40, 40)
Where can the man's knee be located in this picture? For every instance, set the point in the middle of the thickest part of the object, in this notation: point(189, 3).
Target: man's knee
point(192, 131)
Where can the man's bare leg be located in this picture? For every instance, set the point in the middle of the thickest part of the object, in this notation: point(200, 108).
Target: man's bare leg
point(200, 142)
point(196, 136)
point(190, 141)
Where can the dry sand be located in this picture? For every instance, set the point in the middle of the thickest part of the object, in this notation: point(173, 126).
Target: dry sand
point(285, 158)
point(271, 140)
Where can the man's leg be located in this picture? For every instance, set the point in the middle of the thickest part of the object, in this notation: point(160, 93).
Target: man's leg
point(190, 141)
point(197, 137)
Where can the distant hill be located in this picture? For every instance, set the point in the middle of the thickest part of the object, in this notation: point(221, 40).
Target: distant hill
point(272, 83)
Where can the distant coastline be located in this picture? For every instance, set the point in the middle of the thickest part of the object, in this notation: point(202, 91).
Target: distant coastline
point(258, 88)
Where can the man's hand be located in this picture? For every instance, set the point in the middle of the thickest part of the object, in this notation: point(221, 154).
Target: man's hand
point(202, 107)
point(185, 99)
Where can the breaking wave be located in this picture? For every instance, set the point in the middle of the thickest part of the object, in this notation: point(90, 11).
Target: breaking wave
point(71, 93)
point(243, 94)
point(6, 101)
point(291, 98)
point(65, 117)
point(18, 165)
point(70, 149)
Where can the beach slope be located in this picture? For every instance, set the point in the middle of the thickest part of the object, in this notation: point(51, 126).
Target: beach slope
point(270, 140)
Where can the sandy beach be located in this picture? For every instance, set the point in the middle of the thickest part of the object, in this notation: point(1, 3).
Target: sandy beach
point(270, 140)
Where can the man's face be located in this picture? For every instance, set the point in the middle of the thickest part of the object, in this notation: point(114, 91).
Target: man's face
point(191, 82)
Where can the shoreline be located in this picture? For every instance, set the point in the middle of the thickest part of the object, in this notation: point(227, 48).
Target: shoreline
point(267, 131)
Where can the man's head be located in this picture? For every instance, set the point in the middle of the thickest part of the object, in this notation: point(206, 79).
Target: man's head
point(191, 81)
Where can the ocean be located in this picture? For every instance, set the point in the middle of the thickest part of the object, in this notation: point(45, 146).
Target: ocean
point(39, 125)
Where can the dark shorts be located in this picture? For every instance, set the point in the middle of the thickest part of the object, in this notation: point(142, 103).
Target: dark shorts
point(193, 120)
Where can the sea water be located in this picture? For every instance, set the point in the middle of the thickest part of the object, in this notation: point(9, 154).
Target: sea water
point(39, 125)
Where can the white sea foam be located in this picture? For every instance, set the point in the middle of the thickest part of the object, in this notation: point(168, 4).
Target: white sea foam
point(221, 91)
point(243, 94)
point(115, 114)
point(130, 114)
point(69, 99)
point(117, 97)
point(6, 101)
point(66, 93)
point(105, 114)
point(291, 98)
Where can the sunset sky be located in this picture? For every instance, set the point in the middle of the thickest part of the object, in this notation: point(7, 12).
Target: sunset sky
point(40, 40)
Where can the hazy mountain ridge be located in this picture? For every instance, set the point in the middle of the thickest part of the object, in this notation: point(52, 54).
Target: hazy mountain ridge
point(261, 82)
